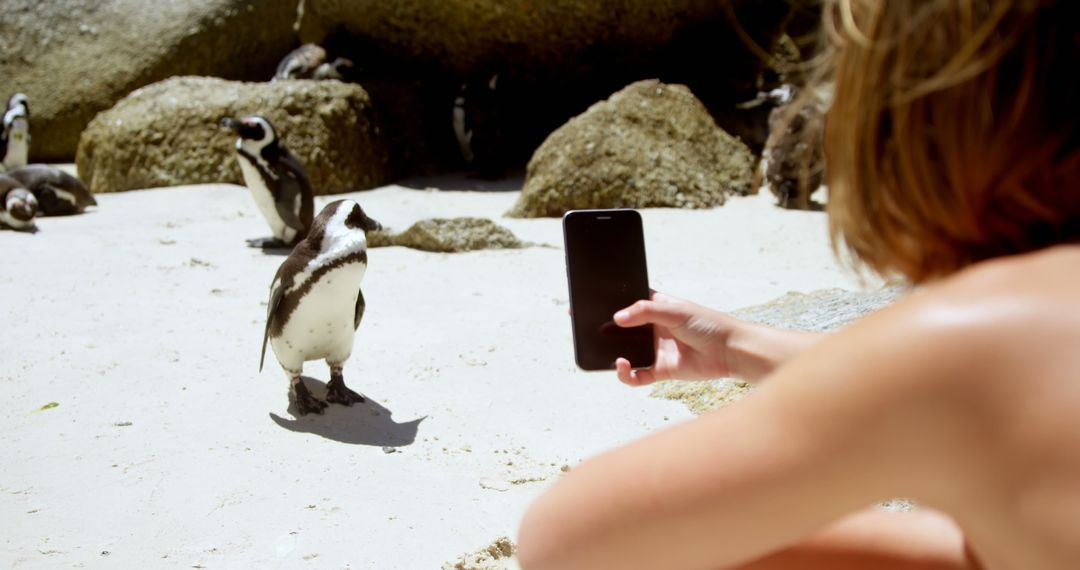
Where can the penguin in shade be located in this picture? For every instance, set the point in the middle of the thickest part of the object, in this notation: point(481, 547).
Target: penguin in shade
point(309, 61)
point(478, 119)
point(793, 158)
point(316, 304)
point(17, 205)
point(58, 193)
point(15, 136)
point(276, 179)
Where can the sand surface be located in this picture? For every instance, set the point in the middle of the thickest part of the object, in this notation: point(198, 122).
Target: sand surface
point(166, 447)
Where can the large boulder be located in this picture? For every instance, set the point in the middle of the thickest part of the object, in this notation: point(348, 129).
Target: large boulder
point(75, 58)
point(168, 134)
point(449, 235)
point(554, 58)
point(579, 38)
point(649, 145)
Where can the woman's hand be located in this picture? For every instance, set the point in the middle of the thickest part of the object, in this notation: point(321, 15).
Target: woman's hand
point(691, 340)
point(698, 343)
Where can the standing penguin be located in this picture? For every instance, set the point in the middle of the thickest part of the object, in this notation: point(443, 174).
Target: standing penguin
point(793, 158)
point(17, 205)
point(15, 136)
point(308, 316)
point(479, 119)
point(57, 192)
point(276, 179)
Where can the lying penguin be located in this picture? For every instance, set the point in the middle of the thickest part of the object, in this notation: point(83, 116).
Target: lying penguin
point(15, 135)
point(58, 193)
point(316, 304)
point(276, 179)
point(309, 62)
point(18, 205)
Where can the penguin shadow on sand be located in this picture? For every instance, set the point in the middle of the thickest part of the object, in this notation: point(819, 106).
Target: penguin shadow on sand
point(267, 250)
point(363, 423)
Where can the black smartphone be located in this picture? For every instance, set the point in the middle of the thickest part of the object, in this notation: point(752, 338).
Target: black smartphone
point(605, 268)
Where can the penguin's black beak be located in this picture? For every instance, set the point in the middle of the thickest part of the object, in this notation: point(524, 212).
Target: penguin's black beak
point(231, 123)
point(370, 225)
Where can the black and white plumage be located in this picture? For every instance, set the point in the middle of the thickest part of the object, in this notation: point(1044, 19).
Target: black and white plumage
point(15, 135)
point(316, 304)
point(276, 179)
point(309, 61)
point(17, 205)
point(478, 119)
point(58, 193)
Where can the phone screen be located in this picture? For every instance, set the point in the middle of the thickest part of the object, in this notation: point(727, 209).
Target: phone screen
point(605, 263)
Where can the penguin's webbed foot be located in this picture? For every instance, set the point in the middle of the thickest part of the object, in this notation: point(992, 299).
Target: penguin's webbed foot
point(267, 243)
point(306, 403)
point(338, 393)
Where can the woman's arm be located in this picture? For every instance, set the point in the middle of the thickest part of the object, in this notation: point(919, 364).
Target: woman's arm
point(873, 540)
point(696, 343)
point(861, 416)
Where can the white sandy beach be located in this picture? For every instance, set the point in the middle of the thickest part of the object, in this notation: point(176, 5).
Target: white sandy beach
point(167, 448)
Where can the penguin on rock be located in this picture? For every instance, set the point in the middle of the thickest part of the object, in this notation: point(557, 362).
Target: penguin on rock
point(316, 303)
point(276, 179)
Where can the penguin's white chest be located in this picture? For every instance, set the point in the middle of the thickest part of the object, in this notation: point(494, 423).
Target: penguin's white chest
point(322, 326)
point(264, 199)
point(18, 149)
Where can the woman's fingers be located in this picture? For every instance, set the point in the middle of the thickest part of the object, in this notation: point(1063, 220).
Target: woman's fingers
point(633, 377)
point(663, 313)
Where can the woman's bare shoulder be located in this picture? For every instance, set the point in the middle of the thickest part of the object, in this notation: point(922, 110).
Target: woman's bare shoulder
point(986, 321)
point(1031, 292)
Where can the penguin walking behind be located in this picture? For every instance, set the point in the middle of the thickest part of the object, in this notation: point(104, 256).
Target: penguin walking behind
point(478, 119)
point(58, 193)
point(309, 61)
point(17, 205)
point(308, 316)
point(276, 179)
point(15, 137)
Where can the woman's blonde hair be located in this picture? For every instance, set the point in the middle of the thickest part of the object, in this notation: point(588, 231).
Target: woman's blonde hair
point(953, 131)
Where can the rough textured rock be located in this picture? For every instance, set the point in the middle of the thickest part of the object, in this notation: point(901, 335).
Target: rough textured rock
point(460, 36)
point(649, 145)
point(449, 236)
point(75, 58)
point(168, 134)
point(554, 58)
point(820, 311)
point(499, 555)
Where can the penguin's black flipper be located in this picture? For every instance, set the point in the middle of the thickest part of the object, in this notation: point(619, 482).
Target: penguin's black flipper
point(276, 293)
point(298, 183)
point(285, 202)
point(360, 306)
